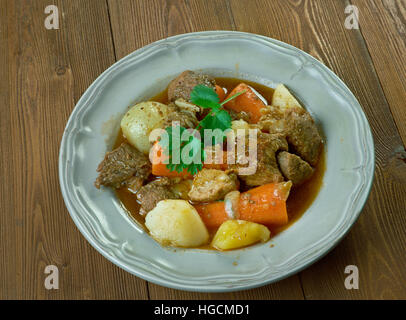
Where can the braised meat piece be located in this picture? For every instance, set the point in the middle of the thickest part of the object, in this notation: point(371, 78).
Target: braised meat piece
point(182, 112)
point(182, 86)
point(299, 128)
point(294, 168)
point(211, 185)
point(267, 170)
point(272, 120)
point(303, 135)
point(123, 166)
point(153, 192)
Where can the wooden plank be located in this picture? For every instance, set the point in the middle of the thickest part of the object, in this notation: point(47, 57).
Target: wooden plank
point(383, 26)
point(286, 289)
point(47, 72)
point(377, 242)
point(137, 23)
point(8, 241)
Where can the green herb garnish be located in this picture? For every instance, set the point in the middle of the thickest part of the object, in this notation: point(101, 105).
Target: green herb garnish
point(193, 147)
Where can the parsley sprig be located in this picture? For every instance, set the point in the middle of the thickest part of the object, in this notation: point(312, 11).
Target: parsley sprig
point(217, 118)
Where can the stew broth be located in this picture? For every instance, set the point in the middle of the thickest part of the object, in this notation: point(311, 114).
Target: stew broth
point(300, 198)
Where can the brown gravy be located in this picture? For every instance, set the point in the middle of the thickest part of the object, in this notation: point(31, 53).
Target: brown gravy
point(300, 198)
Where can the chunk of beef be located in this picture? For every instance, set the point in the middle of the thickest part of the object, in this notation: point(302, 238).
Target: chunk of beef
point(153, 192)
point(123, 166)
point(299, 128)
point(303, 135)
point(267, 170)
point(294, 168)
point(179, 113)
point(182, 86)
point(211, 185)
point(272, 120)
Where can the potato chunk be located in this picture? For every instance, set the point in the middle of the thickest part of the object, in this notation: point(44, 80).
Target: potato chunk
point(140, 120)
point(283, 99)
point(176, 223)
point(234, 234)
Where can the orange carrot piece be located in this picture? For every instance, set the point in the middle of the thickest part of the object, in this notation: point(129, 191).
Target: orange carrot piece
point(160, 169)
point(248, 102)
point(220, 92)
point(265, 204)
point(213, 214)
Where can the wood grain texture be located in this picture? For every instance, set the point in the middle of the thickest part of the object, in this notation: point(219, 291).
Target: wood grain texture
point(377, 242)
point(47, 71)
point(44, 73)
point(7, 240)
point(137, 23)
point(383, 26)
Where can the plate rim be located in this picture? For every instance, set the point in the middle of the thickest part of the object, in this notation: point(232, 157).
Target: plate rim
point(369, 155)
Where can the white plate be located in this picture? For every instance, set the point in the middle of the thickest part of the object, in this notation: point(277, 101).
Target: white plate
point(94, 124)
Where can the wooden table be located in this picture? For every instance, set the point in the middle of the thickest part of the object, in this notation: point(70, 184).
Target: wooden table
point(44, 73)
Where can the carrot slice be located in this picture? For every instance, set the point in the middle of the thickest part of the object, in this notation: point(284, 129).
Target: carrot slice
point(265, 204)
point(220, 92)
point(248, 102)
point(213, 214)
point(159, 168)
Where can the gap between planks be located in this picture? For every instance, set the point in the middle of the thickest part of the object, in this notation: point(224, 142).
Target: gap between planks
point(365, 44)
